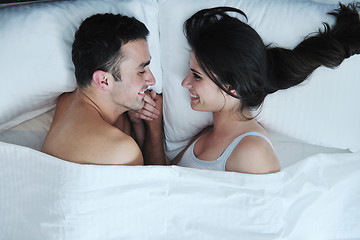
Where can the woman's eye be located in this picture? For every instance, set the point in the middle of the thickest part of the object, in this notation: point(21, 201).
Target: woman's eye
point(142, 72)
point(196, 76)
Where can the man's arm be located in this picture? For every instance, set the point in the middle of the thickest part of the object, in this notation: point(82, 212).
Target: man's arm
point(138, 128)
point(153, 147)
point(123, 123)
point(153, 150)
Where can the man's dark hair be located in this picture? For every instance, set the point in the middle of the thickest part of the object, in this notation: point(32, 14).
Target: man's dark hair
point(98, 41)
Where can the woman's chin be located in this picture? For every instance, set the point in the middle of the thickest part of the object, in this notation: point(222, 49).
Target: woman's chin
point(196, 107)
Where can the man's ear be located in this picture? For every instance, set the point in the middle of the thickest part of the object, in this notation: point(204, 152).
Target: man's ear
point(101, 80)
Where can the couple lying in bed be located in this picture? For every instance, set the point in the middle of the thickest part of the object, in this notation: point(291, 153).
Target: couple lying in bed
point(231, 73)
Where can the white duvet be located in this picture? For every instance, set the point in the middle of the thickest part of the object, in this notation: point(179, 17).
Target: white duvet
point(42, 197)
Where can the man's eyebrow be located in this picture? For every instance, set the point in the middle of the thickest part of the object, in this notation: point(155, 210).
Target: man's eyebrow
point(144, 64)
point(193, 70)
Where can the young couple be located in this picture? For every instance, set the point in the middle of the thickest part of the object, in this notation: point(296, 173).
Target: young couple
point(231, 73)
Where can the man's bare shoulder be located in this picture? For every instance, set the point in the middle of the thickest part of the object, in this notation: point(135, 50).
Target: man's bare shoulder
point(106, 145)
point(117, 148)
point(80, 134)
point(91, 141)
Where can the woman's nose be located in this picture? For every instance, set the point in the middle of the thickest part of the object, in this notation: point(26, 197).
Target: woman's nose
point(186, 83)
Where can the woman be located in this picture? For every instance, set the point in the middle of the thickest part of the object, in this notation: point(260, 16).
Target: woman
point(231, 73)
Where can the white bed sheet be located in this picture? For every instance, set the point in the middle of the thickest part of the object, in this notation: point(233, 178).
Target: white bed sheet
point(42, 197)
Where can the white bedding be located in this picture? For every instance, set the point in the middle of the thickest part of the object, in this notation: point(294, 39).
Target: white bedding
point(314, 197)
point(42, 197)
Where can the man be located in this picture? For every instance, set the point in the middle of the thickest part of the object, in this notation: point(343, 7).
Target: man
point(111, 59)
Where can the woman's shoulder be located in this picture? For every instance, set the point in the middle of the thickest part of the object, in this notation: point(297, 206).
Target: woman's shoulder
point(253, 154)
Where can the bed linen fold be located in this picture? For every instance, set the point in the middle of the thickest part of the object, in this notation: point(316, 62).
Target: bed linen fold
point(42, 197)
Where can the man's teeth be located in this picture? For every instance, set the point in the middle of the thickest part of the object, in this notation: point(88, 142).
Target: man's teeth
point(142, 92)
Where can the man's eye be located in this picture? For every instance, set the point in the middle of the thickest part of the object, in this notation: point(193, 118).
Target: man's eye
point(142, 72)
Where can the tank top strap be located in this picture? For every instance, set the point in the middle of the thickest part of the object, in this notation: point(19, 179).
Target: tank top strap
point(226, 154)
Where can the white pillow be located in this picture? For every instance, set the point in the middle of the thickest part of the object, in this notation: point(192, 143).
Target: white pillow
point(35, 51)
point(324, 105)
point(30, 133)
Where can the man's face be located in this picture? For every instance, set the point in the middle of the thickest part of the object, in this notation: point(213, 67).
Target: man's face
point(135, 75)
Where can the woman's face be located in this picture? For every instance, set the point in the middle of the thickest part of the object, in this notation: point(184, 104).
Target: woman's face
point(205, 95)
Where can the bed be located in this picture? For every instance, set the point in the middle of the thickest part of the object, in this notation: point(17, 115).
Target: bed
point(314, 127)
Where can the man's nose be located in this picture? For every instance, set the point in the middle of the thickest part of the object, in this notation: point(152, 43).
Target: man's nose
point(150, 80)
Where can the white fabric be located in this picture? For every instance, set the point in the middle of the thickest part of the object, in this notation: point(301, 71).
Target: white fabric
point(42, 197)
point(30, 133)
point(321, 111)
point(35, 47)
point(48, 198)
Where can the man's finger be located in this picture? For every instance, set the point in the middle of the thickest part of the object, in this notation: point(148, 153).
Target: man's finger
point(148, 99)
point(153, 95)
point(144, 116)
point(150, 109)
point(147, 113)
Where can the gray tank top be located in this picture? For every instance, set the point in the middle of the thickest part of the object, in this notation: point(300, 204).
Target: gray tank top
point(190, 160)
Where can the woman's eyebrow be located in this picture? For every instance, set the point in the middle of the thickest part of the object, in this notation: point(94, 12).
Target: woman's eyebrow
point(193, 70)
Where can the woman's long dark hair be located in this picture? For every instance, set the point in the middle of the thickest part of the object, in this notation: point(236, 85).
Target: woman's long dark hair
point(234, 56)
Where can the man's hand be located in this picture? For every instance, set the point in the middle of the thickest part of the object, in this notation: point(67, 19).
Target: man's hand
point(156, 122)
point(151, 113)
point(152, 108)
